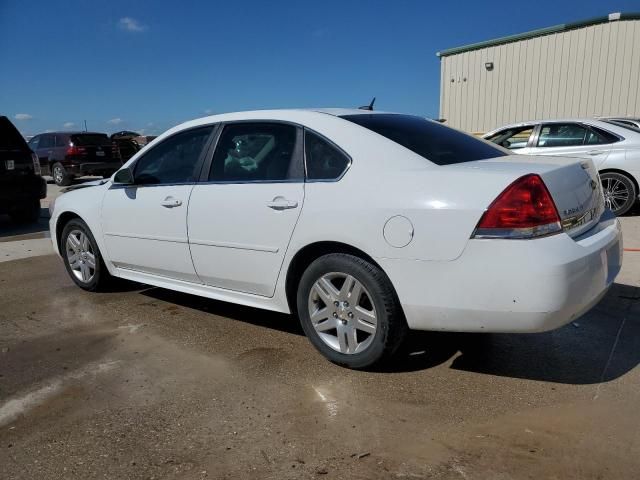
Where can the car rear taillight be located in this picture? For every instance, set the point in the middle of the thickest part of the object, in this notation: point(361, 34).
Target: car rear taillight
point(36, 164)
point(524, 209)
point(73, 150)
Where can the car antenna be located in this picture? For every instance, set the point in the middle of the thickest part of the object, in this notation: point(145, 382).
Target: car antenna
point(368, 107)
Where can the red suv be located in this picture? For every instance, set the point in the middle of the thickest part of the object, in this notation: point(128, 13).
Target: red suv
point(65, 155)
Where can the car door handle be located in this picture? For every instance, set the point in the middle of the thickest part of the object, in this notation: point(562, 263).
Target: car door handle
point(171, 202)
point(596, 152)
point(281, 203)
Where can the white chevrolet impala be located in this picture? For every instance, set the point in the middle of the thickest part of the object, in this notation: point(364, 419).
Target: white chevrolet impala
point(363, 224)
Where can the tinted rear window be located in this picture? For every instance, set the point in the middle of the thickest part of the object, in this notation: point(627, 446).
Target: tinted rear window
point(10, 138)
point(431, 140)
point(88, 139)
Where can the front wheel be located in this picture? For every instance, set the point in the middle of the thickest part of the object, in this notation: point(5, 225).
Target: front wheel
point(82, 257)
point(349, 311)
point(619, 192)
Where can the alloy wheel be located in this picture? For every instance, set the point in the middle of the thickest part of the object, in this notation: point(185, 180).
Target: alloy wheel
point(58, 175)
point(616, 193)
point(80, 256)
point(342, 313)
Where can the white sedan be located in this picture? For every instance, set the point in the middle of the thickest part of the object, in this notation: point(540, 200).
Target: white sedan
point(364, 224)
point(614, 148)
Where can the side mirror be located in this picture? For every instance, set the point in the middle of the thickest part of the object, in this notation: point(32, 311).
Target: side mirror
point(123, 176)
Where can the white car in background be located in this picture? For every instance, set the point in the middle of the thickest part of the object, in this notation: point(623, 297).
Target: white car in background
point(364, 224)
point(613, 147)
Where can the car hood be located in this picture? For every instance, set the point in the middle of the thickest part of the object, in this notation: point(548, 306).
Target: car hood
point(93, 183)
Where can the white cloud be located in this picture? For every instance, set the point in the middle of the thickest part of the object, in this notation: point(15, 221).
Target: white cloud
point(208, 111)
point(129, 24)
point(69, 125)
point(115, 121)
point(23, 116)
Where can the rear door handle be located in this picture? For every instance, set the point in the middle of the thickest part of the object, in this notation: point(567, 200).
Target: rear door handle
point(171, 202)
point(281, 203)
point(596, 152)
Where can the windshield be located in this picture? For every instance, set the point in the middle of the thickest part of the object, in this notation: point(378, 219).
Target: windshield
point(431, 140)
point(89, 139)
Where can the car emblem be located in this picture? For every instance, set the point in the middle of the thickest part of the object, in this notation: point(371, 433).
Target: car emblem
point(593, 184)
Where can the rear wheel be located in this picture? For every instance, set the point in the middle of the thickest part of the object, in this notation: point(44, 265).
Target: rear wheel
point(349, 311)
point(60, 175)
point(27, 213)
point(619, 192)
point(82, 257)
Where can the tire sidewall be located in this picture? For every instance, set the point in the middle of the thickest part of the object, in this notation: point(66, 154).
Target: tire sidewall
point(77, 224)
point(344, 264)
point(65, 178)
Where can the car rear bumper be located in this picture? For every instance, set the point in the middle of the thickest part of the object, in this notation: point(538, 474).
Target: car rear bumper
point(13, 194)
point(510, 285)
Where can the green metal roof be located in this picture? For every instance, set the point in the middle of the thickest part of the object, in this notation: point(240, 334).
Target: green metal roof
point(539, 32)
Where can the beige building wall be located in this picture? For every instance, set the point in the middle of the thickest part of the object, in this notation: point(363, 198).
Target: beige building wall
point(589, 71)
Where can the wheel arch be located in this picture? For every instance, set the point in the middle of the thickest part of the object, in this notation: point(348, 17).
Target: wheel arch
point(63, 219)
point(307, 254)
point(622, 172)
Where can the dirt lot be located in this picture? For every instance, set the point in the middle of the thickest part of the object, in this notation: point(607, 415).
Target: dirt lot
point(146, 383)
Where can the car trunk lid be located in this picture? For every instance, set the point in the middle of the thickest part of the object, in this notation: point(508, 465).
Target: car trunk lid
point(573, 184)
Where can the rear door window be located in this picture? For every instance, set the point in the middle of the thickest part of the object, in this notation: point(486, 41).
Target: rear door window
point(431, 140)
point(46, 141)
point(62, 140)
point(561, 135)
point(256, 152)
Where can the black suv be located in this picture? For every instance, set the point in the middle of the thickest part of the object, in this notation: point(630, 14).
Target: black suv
point(65, 155)
point(21, 186)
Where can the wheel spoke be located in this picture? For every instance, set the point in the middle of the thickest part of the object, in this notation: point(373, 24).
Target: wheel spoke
point(73, 242)
point(365, 326)
point(73, 260)
point(328, 324)
point(84, 242)
point(84, 270)
point(320, 314)
point(342, 340)
point(352, 339)
point(351, 290)
point(327, 292)
point(91, 260)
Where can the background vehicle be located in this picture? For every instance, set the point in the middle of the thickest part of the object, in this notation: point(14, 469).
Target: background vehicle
point(129, 143)
point(626, 121)
point(21, 186)
point(614, 149)
point(349, 219)
point(65, 155)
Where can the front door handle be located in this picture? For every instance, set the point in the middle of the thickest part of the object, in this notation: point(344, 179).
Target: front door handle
point(281, 203)
point(171, 202)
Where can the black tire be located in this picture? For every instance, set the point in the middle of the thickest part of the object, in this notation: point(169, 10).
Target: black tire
point(27, 213)
point(101, 279)
point(391, 325)
point(618, 183)
point(60, 175)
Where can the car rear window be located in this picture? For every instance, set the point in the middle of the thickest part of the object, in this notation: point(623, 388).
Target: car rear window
point(89, 139)
point(10, 138)
point(431, 140)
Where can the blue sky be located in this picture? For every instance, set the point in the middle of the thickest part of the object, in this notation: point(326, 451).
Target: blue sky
point(150, 64)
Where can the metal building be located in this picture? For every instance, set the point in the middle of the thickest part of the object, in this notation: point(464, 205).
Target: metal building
point(582, 69)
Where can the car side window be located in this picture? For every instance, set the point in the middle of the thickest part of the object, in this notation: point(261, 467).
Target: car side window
point(324, 160)
point(513, 138)
point(596, 136)
point(33, 143)
point(250, 152)
point(62, 140)
point(562, 135)
point(46, 141)
point(175, 160)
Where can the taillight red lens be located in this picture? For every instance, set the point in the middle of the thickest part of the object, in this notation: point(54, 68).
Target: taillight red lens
point(524, 209)
point(73, 150)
